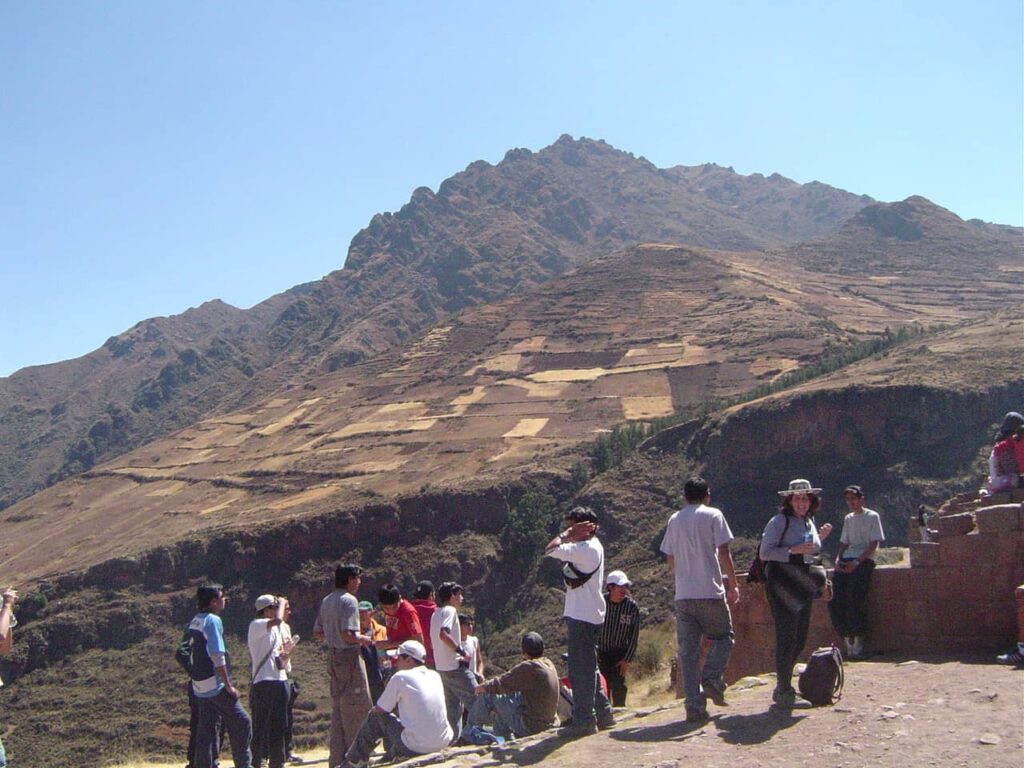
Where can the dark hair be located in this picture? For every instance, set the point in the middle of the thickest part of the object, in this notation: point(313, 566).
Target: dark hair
point(695, 490)
point(582, 515)
point(343, 573)
point(448, 588)
point(787, 504)
point(465, 618)
point(388, 595)
point(533, 645)
point(206, 594)
point(423, 590)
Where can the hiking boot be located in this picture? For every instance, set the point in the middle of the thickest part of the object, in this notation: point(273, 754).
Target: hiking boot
point(605, 723)
point(785, 698)
point(574, 731)
point(715, 691)
point(694, 715)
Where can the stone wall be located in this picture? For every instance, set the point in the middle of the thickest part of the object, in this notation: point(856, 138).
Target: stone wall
point(956, 595)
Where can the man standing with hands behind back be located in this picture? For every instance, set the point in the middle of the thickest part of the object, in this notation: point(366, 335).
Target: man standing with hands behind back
point(862, 533)
point(697, 545)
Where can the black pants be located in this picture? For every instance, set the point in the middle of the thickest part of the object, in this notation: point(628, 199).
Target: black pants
point(790, 597)
point(193, 725)
point(848, 608)
point(268, 701)
point(293, 694)
point(607, 662)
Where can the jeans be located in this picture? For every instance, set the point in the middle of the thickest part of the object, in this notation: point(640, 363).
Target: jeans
point(848, 607)
point(350, 699)
point(268, 700)
point(790, 598)
point(695, 620)
point(588, 700)
point(458, 695)
point(239, 727)
point(193, 729)
point(505, 712)
point(608, 663)
point(377, 726)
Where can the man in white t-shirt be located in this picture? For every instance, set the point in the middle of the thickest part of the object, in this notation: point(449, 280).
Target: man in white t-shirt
point(696, 544)
point(451, 660)
point(862, 533)
point(421, 726)
point(581, 551)
point(269, 690)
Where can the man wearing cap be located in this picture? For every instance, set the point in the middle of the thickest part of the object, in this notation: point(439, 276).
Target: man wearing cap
point(862, 533)
point(616, 644)
point(337, 624)
point(522, 701)
point(421, 726)
point(372, 653)
point(269, 689)
point(696, 544)
point(581, 551)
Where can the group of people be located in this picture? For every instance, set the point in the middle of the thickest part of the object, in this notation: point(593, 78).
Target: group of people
point(416, 681)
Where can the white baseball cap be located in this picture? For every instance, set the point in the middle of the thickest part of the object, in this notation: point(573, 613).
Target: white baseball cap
point(265, 601)
point(618, 579)
point(414, 650)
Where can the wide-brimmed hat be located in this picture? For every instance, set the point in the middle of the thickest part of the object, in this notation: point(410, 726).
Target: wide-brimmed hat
point(799, 486)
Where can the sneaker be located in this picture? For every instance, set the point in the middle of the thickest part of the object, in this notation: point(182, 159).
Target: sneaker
point(715, 691)
point(694, 715)
point(605, 723)
point(856, 648)
point(354, 764)
point(785, 698)
point(1014, 657)
point(574, 731)
point(294, 759)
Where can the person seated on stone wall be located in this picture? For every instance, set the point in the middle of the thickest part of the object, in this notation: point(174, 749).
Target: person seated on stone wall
point(421, 725)
point(522, 701)
point(1006, 461)
point(861, 535)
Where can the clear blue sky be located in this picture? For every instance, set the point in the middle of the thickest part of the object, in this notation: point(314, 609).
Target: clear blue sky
point(154, 155)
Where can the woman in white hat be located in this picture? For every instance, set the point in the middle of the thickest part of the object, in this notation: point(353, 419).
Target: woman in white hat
point(788, 548)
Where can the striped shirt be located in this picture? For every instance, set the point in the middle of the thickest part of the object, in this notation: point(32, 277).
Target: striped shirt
point(621, 628)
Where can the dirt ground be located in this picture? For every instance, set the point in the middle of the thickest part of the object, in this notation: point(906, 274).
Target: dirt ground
point(914, 712)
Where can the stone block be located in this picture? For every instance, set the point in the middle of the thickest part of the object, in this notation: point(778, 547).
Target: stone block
point(969, 551)
point(924, 554)
point(1003, 517)
point(955, 525)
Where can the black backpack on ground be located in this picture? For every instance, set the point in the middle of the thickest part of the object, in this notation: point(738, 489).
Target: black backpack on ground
point(821, 682)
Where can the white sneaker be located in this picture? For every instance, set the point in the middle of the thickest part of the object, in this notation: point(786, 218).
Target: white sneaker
point(856, 648)
point(849, 645)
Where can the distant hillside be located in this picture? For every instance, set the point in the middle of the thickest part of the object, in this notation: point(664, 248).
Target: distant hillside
point(488, 231)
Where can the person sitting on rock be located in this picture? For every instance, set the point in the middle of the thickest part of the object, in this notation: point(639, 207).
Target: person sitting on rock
point(862, 533)
point(421, 725)
point(1006, 461)
point(522, 701)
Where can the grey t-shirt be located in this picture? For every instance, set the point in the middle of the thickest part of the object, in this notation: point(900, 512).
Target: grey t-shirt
point(859, 530)
point(692, 538)
point(339, 613)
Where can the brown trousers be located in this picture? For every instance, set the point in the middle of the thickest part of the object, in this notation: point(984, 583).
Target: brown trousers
point(350, 699)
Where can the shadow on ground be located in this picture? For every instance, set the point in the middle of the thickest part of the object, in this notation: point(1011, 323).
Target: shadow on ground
point(756, 728)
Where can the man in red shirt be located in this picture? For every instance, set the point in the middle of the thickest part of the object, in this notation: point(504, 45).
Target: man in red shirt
point(400, 618)
point(423, 602)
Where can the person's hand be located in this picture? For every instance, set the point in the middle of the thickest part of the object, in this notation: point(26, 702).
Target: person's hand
point(732, 595)
point(231, 691)
point(10, 596)
point(623, 667)
point(478, 690)
point(824, 531)
point(805, 548)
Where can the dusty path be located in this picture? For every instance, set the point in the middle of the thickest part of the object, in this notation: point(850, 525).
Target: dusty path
point(928, 713)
